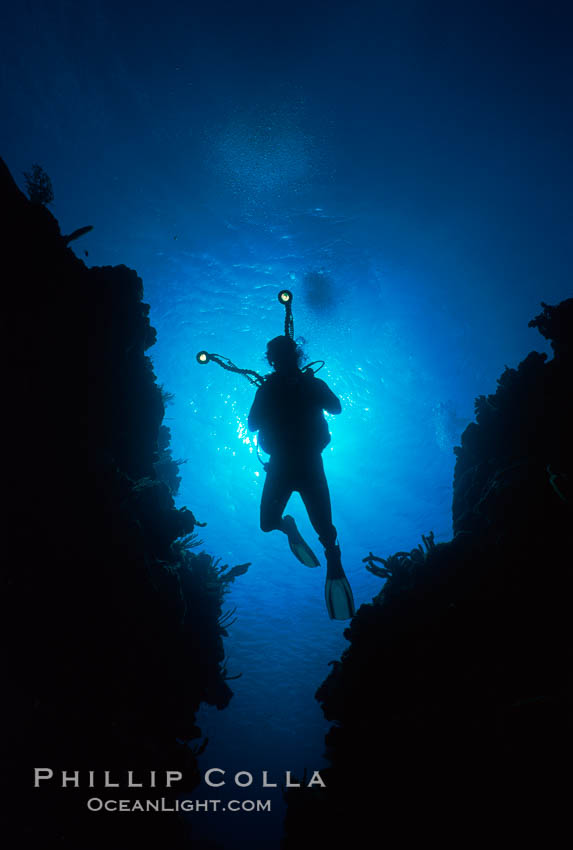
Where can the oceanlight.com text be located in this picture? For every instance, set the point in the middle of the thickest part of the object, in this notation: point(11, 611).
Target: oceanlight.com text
point(97, 804)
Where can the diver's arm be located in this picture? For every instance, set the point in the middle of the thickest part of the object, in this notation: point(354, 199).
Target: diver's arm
point(326, 397)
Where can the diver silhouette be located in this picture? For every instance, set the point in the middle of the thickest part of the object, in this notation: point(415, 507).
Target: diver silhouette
point(288, 414)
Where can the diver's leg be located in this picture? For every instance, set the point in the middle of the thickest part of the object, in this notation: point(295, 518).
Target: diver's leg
point(316, 497)
point(276, 493)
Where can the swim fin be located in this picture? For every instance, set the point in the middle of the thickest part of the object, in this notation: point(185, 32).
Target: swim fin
point(337, 590)
point(298, 547)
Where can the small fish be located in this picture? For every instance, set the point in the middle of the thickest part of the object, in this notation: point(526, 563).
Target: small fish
point(77, 233)
point(240, 570)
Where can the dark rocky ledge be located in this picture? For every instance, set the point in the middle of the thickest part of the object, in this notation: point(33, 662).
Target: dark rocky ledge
point(113, 624)
point(451, 704)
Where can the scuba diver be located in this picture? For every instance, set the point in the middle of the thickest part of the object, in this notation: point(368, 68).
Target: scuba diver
point(288, 414)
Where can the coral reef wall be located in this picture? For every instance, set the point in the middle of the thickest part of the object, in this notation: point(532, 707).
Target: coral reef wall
point(113, 623)
point(451, 705)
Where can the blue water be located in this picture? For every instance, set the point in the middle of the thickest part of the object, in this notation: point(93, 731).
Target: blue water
point(405, 171)
point(406, 374)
